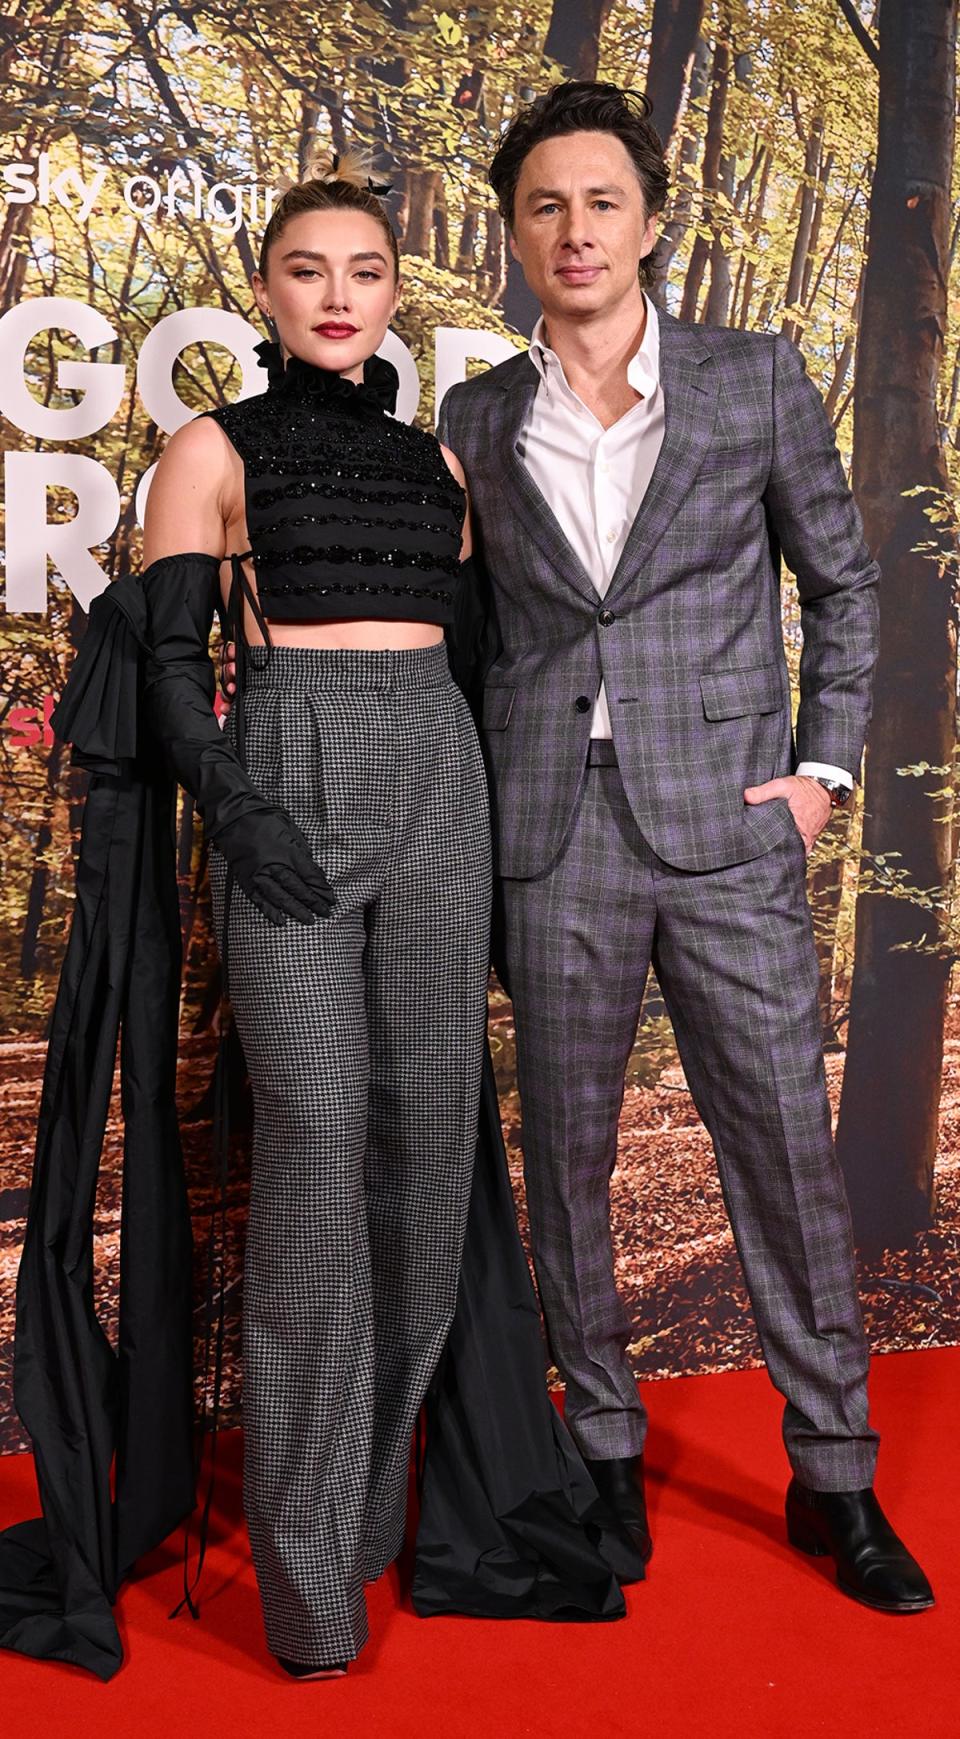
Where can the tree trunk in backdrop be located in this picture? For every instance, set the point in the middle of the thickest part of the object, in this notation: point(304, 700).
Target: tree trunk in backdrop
point(673, 40)
point(573, 36)
point(803, 238)
point(681, 203)
point(887, 1134)
point(825, 890)
point(717, 308)
point(421, 198)
point(712, 157)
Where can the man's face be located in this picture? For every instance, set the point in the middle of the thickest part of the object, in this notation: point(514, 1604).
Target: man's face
point(579, 225)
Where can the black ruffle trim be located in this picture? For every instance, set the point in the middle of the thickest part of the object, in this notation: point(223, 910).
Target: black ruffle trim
point(376, 393)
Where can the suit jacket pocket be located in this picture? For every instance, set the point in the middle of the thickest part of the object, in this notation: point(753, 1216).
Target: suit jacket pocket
point(497, 707)
point(736, 694)
point(735, 456)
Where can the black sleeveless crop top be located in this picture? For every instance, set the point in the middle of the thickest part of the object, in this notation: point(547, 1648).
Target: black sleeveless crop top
point(349, 512)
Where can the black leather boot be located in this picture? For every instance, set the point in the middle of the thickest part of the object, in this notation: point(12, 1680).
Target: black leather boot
point(620, 1485)
point(873, 1565)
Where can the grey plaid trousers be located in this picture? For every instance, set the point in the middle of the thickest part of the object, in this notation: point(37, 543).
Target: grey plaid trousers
point(363, 1038)
point(734, 956)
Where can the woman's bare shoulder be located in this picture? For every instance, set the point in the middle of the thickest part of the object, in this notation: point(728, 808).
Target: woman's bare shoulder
point(201, 442)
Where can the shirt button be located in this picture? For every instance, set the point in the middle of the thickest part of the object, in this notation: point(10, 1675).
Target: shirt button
point(605, 618)
point(582, 704)
point(611, 537)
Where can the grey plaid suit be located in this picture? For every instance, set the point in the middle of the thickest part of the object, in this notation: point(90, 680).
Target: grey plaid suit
point(606, 868)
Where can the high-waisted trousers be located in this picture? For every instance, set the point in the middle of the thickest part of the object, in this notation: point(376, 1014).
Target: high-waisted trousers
point(363, 1037)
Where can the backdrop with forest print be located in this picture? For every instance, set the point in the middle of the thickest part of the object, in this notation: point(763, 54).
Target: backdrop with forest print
point(811, 147)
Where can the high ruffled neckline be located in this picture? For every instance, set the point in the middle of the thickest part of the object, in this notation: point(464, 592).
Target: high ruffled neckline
point(377, 392)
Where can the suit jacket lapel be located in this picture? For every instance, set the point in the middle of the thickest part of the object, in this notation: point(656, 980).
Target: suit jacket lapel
point(532, 507)
point(690, 396)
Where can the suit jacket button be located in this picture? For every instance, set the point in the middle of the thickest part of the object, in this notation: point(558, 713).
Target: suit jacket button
point(582, 704)
point(605, 618)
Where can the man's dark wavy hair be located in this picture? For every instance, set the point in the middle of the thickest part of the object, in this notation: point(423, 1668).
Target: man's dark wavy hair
point(585, 106)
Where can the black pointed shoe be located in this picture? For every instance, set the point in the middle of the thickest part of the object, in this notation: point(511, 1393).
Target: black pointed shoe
point(620, 1484)
point(303, 1673)
point(873, 1564)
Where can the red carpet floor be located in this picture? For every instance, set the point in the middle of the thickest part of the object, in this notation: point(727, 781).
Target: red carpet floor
point(732, 1636)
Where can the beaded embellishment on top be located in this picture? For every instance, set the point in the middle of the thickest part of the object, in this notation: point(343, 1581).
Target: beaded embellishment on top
point(333, 485)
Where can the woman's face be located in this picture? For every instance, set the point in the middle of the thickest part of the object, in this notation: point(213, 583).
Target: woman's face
point(330, 288)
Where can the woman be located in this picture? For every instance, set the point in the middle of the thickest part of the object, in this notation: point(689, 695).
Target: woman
point(358, 987)
point(345, 806)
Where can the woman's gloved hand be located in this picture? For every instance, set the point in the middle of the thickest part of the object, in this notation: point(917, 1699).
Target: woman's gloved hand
point(273, 864)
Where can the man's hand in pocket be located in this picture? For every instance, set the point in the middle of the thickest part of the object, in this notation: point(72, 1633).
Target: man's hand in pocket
point(809, 803)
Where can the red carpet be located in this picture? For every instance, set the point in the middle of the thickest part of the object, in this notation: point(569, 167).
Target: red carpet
point(732, 1636)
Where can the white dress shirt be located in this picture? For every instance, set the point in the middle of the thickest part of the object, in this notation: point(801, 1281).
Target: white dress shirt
point(593, 479)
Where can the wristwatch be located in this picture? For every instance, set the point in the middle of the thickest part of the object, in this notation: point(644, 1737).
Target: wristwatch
point(837, 792)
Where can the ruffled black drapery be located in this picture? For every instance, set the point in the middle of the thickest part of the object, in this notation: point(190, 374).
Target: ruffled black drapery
point(510, 1522)
point(90, 1409)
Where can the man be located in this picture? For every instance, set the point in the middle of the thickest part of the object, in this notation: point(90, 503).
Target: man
point(633, 483)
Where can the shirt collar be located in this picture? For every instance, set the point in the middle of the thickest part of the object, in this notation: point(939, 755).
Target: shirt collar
point(643, 369)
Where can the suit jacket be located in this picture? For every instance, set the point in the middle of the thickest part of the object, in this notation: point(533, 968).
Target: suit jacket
point(688, 638)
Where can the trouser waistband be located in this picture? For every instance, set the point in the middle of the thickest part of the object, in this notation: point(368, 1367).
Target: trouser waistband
point(324, 667)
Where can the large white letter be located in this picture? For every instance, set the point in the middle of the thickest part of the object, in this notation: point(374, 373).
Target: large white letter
point(100, 382)
point(140, 498)
point(165, 345)
point(458, 345)
point(30, 539)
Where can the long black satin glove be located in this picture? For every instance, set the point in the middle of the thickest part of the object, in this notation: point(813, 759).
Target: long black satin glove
point(266, 852)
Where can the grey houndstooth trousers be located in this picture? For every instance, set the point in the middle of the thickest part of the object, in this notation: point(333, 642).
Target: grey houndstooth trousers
point(363, 1038)
point(734, 956)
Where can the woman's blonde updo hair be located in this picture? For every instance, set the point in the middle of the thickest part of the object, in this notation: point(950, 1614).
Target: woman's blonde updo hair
point(338, 181)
